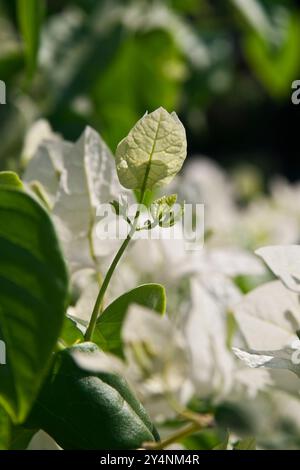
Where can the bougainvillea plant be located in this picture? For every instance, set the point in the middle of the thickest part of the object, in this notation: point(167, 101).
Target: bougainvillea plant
point(53, 377)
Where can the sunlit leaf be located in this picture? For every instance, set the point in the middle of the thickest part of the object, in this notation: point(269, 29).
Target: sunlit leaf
point(153, 152)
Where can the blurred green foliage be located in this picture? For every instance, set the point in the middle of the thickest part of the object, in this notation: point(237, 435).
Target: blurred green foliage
point(218, 64)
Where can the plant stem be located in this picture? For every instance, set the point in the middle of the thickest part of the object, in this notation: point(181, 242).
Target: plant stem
point(90, 330)
point(198, 422)
point(98, 305)
point(177, 436)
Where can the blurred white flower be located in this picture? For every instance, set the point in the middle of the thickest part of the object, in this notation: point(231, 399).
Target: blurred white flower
point(36, 135)
point(284, 261)
point(205, 331)
point(286, 197)
point(157, 361)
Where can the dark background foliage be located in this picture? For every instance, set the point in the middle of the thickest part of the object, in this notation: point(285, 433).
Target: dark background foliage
point(226, 67)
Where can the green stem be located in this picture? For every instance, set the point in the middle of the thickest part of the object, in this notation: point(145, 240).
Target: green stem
point(177, 436)
point(198, 422)
point(98, 305)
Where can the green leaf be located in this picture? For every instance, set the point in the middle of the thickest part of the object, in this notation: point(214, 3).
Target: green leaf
point(70, 333)
point(82, 409)
point(33, 291)
point(9, 178)
point(246, 444)
point(21, 437)
point(108, 329)
point(153, 152)
point(30, 17)
point(5, 429)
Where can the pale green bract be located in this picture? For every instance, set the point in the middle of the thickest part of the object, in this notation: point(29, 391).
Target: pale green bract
point(153, 152)
point(162, 206)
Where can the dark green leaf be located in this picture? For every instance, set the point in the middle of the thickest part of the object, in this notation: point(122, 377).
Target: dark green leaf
point(33, 290)
point(108, 330)
point(85, 410)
